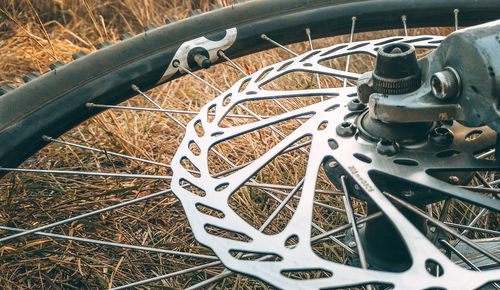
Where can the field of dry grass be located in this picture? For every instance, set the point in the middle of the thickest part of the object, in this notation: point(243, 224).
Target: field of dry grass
point(36, 33)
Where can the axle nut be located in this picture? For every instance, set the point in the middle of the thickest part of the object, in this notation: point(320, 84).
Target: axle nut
point(441, 136)
point(346, 129)
point(387, 147)
point(396, 69)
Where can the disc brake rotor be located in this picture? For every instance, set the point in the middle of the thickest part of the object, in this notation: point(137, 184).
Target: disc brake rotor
point(325, 134)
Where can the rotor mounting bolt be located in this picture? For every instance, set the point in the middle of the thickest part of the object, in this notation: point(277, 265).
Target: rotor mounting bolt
point(356, 105)
point(446, 84)
point(387, 147)
point(352, 244)
point(441, 136)
point(346, 129)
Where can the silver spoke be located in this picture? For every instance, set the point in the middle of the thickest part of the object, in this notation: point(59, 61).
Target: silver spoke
point(311, 47)
point(446, 229)
point(170, 275)
point(136, 88)
point(224, 56)
point(403, 19)
point(352, 220)
point(194, 113)
point(351, 38)
point(106, 152)
point(84, 173)
point(265, 37)
point(82, 216)
point(113, 244)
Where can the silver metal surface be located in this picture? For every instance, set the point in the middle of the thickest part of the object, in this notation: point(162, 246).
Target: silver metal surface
point(321, 127)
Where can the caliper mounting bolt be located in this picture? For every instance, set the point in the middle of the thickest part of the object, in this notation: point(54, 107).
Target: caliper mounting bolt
point(446, 84)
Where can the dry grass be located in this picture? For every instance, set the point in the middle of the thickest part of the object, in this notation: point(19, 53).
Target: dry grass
point(35, 34)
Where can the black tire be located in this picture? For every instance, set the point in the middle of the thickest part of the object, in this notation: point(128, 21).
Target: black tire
point(55, 102)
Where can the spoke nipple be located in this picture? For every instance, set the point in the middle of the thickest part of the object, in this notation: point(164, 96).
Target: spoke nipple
point(346, 129)
point(387, 147)
point(454, 179)
point(408, 193)
point(263, 36)
point(176, 63)
point(308, 31)
point(46, 138)
point(356, 105)
point(135, 88)
point(89, 105)
point(441, 136)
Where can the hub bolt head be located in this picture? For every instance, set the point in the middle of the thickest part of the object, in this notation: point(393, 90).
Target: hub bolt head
point(346, 129)
point(441, 136)
point(387, 147)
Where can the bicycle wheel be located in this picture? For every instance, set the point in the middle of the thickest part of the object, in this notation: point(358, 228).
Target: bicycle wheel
point(56, 102)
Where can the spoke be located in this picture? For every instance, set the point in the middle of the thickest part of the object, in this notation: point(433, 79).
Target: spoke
point(221, 53)
point(85, 173)
point(346, 227)
point(332, 208)
point(314, 225)
point(445, 228)
point(474, 229)
point(463, 258)
point(308, 32)
point(92, 105)
point(79, 217)
point(265, 37)
point(483, 212)
point(113, 244)
point(235, 168)
point(226, 273)
point(282, 205)
point(177, 64)
point(287, 187)
point(182, 272)
point(106, 152)
point(353, 26)
point(455, 12)
point(136, 88)
point(442, 217)
point(352, 220)
point(403, 19)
